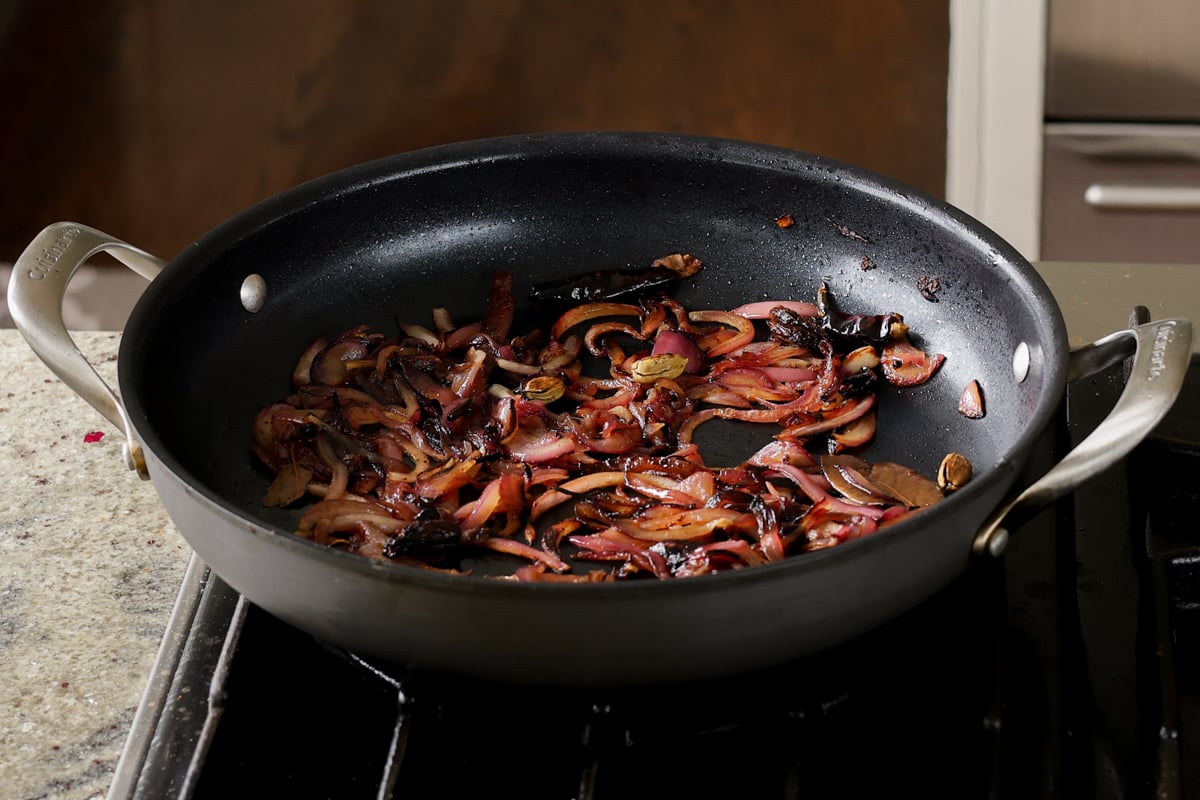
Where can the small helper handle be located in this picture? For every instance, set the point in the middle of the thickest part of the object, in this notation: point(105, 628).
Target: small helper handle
point(35, 299)
point(1161, 353)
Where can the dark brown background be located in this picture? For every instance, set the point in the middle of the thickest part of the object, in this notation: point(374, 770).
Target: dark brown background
point(153, 121)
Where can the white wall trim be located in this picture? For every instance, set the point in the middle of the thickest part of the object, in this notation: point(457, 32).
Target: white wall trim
point(994, 115)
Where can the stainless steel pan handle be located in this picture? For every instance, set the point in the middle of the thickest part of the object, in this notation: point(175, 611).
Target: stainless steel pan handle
point(35, 299)
point(1161, 353)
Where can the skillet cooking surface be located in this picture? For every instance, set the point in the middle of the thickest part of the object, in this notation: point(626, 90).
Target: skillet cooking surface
point(389, 240)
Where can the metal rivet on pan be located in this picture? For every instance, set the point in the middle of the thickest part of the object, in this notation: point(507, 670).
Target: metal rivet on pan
point(254, 293)
point(1021, 362)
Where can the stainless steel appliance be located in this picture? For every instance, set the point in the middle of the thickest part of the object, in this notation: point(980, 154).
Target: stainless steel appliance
point(1121, 149)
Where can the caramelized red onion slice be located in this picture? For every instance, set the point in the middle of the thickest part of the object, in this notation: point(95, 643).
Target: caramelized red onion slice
point(679, 533)
point(539, 445)
point(329, 367)
point(447, 478)
point(660, 487)
point(854, 434)
point(614, 545)
point(590, 311)
point(504, 495)
point(741, 548)
point(848, 475)
point(860, 360)
point(846, 414)
point(762, 308)
point(459, 337)
point(771, 414)
point(906, 365)
point(302, 374)
point(536, 573)
point(790, 374)
point(513, 547)
point(755, 384)
point(742, 336)
point(574, 488)
point(782, 451)
point(829, 520)
point(328, 517)
point(665, 524)
point(808, 483)
point(421, 334)
point(595, 342)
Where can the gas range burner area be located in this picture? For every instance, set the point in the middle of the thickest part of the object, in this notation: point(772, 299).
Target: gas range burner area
point(1067, 668)
point(943, 683)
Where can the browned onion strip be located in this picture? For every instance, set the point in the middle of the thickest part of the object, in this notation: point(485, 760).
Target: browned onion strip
point(762, 308)
point(595, 334)
point(744, 332)
point(579, 486)
point(515, 548)
point(584, 313)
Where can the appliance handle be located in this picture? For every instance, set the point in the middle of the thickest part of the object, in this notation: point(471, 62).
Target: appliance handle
point(1124, 141)
point(1162, 352)
point(1142, 197)
point(36, 292)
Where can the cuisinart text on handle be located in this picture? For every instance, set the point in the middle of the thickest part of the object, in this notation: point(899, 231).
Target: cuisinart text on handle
point(1162, 338)
point(49, 257)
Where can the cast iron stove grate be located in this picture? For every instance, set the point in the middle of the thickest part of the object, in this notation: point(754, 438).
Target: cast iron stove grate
point(1066, 669)
point(288, 715)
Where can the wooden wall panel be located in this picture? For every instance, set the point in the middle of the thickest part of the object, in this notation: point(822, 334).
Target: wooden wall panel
point(154, 120)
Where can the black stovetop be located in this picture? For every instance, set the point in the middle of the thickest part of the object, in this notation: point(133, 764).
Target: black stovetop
point(1066, 669)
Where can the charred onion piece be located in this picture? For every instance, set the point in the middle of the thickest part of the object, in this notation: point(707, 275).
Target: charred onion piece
point(788, 325)
point(423, 538)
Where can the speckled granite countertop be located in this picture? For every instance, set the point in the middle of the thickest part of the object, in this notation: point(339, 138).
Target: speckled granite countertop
point(90, 566)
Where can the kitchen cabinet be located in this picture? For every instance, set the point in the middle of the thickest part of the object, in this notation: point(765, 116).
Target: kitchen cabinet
point(156, 119)
point(1076, 135)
